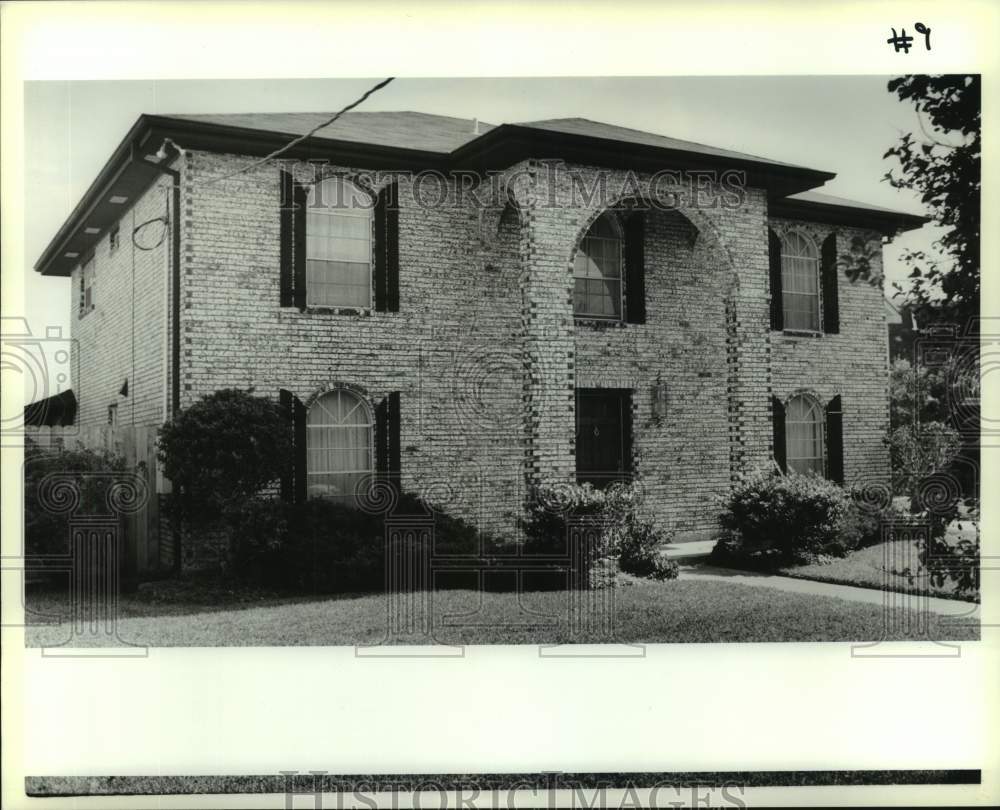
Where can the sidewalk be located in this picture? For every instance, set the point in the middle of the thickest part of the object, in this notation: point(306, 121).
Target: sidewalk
point(693, 569)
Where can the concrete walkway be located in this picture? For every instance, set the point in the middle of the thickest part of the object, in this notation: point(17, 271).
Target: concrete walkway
point(693, 569)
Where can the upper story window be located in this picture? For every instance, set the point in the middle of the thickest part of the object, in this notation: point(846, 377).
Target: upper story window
point(113, 238)
point(339, 445)
point(338, 245)
point(87, 286)
point(597, 270)
point(804, 435)
point(800, 283)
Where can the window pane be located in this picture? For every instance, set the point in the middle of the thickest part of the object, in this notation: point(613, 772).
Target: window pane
point(331, 283)
point(339, 437)
point(597, 271)
point(804, 435)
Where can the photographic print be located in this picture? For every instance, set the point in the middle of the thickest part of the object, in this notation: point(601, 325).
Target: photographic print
point(390, 376)
point(530, 407)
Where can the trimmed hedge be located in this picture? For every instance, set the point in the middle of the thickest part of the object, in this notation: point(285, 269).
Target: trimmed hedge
point(771, 519)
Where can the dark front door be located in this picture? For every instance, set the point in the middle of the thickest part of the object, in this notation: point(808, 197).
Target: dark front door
point(603, 435)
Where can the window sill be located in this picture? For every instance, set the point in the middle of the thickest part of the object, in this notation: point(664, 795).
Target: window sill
point(596, 322)
point(797, 333)
point(360, 312)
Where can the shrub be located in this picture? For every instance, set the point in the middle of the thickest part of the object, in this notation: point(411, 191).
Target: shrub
point(87, 472)
point(628, 538)
point(773, 519)
point(321, 546)
point(318, 546)
point(225, 447)
point(920, 451)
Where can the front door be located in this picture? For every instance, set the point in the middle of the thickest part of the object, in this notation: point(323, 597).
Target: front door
point(603, 435)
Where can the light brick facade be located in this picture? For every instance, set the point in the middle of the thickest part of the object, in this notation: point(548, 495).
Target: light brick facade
point(485, 350)
point(123, 337)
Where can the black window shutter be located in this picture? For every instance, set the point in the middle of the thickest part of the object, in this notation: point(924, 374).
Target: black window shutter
point(778, 422)
point(777, 305)
point(387, 249)
point(835, 441)
point(286, 232)
point(300, 198)
point(831, 302)
point(301, 468)
point(382, 437)
point(635, 268)
point(380, 250)
point(626, 406)
point(288, 476)
point(387, 436)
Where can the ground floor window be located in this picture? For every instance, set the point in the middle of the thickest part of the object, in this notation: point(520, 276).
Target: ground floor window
point(804, 435)
point(339, 445)
point(603, 435)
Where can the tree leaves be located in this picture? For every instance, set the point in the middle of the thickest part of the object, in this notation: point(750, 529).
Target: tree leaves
point(947, 175)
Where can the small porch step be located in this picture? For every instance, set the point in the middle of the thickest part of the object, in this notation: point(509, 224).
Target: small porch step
point(697, 548)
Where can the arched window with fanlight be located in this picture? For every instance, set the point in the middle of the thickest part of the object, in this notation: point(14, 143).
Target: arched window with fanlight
point(597, 270)
point(800, 282)
point(339, 223)
point(804, 447)
point(339, 445)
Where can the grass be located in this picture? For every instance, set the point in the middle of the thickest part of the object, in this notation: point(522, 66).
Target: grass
point(651, 612)
point(883, 567)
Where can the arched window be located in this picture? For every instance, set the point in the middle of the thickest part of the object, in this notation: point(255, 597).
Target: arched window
point(800, 282)
point(804, 435)
point(338, 245)
point(339, 442)
point(597, 270)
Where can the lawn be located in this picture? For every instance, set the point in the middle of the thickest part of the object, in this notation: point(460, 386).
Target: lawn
point(881, 567)
point(650, 612)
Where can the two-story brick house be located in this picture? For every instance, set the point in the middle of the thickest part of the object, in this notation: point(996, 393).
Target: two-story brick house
point(484, 309)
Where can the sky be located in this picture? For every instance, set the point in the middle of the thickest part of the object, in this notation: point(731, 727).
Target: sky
point(837, 124)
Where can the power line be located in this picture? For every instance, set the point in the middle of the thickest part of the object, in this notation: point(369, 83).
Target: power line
point(301, 138)
point(166, 219)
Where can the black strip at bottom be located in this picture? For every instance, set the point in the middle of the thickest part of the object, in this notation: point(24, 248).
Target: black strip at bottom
point(305, 782)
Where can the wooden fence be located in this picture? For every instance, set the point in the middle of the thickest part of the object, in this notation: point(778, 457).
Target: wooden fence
point(149, 544)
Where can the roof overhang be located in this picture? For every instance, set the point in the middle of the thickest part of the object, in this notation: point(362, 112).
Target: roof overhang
point(131, 170)
point(510, 143)
point(885, 222)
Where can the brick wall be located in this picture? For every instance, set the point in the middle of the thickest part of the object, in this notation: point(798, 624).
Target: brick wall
point(122, 337)
point(852, 364)
point(452, 349)
point(486, 354)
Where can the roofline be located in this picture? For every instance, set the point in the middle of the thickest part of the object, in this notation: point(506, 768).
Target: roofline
point(498, 147)
point(149, 131)
point(779, 179)
point(887, 222)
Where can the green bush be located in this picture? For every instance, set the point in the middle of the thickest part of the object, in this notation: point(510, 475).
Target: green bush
point(627, 537)
point(773, 519)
